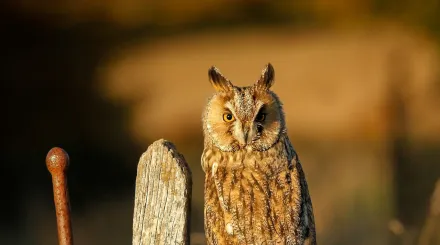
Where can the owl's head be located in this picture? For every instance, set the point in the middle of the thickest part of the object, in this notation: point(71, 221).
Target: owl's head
point(243, 117)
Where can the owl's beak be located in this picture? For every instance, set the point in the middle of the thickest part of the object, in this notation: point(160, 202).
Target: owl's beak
point(245, 136)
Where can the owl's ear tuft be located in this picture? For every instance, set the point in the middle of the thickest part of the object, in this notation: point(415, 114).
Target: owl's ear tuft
point(267, 78)
point(218, 81)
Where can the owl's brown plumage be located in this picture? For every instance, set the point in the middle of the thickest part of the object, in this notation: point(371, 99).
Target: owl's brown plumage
point(255, 188)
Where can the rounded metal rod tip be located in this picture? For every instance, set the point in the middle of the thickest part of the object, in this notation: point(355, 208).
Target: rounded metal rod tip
point(57, 162)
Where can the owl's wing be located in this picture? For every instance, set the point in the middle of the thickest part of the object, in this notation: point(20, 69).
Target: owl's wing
point(307, 216)
point(306, 205)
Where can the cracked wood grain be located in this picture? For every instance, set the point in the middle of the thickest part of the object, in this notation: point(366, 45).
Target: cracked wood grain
point(162, 197)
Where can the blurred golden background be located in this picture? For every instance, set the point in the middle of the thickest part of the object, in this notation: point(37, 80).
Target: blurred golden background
point(360, 82)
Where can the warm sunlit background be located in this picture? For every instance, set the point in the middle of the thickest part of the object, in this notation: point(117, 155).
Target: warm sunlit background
point(360, 82)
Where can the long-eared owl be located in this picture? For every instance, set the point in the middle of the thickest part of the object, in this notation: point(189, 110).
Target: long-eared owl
point(255, 188)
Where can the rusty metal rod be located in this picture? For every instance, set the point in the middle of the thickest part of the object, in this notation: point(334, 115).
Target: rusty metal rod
point(57, 162)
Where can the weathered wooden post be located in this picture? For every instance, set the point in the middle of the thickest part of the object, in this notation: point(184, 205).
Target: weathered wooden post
point(163, 197)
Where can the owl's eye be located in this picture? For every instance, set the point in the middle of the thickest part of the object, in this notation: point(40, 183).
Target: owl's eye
point(260, 117)
point(228, 117)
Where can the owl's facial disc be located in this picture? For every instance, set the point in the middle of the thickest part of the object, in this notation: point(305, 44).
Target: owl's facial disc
point(244, 118)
